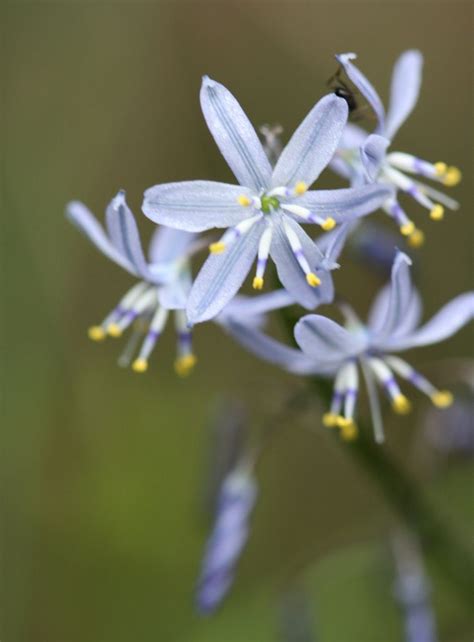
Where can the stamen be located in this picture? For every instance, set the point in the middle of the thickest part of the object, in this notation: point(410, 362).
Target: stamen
point(442, 398)
point(245, 201)
point(297, 250)
point(232, 234)
point(437, 213)
point(452, 177)
point(440, 168)
point(300, 188)
point(140, 365)
point(394, 209)
point(331, 418)
point(184, 365)
point(262, 257)
point(400, 403)
point(306, 214)
point(113, 329)
point(156, 326)
point(408, 228)
point(348, 428)
point(217, 248)
point(416, 238)
point(186, 360)
point(313, 280)
point(409, 186)
point(96, 333)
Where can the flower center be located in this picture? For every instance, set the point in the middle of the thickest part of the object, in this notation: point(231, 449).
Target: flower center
point(269, 203)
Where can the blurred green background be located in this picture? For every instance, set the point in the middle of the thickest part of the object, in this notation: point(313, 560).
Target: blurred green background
point(103, 471)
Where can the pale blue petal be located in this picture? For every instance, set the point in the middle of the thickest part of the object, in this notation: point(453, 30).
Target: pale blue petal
point(344, 205)
point(334, 245)
point(406, 82)
point(86, 222)
point(289, 271)
point(352, 137)
point(313, 144)
point(364, 86)
point(273, 351)
point(174, 295)
point(222, 275)
point(379, 310)
point(372, 154)
point(195, 206)
point(123, 233)
point(451, 318)
point(235, 135)
point(327, 341)
point(397, 301)
point(167, 245)
point(246, 309)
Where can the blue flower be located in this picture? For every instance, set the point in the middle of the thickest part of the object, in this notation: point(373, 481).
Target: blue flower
point(264, 212)
point(363, 158)
point(330, 350)
point(230, 533)
point(164, 281)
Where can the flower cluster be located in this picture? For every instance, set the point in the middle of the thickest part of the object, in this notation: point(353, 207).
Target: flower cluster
point(267, 215)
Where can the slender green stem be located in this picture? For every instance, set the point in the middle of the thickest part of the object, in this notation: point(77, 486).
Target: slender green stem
point(450, 555)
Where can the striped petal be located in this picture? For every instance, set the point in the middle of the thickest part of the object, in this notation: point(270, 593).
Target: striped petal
point(235, 135)
point(85, 221)
point(344, 205)
point(123, 233)
point(289, 270)
point(168, 245)
point(364, 86)
point(372, 154)
point(406, 82)
point(388, 315)
point(451, 318)
point(222, 275)
point(271, 350)
point(195, 206)
point(325, 340)
point(313, 144)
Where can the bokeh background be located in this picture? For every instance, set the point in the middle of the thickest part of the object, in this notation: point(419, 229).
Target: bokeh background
point(103, 471)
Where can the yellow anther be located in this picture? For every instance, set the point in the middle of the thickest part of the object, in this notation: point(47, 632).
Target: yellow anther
point(349, 431)
point(217, 248)
point(452, 177)
point(114, 330)
point(257, 283)
point(440, 168)
point(407, 228)
point(442, 398)
point(300, 188)
point(96, 333)
point(330, 420)
point(328, 224)
point(140, 365)
point(437, 212)
point(313, 280)
point(183, 365)
point(416, 238)
point(401, 405)
point(243, 200)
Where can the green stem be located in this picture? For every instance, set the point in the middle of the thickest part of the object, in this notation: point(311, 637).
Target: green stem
point(450, 555)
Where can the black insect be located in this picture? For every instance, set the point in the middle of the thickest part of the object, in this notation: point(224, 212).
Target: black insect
point(342, 89)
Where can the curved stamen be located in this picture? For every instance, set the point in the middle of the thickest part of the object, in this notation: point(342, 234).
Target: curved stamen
point(156, 326)
point(185, 360)
point(298, 253)
point(233, 233)
point(346, 423)
point(147, 301)
point(440, 398)
point(262, 257)
point(109, 324)
point(410, 187)
point(330, 419)
point(441, 172)
point(400, 404)
point(306, 214)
